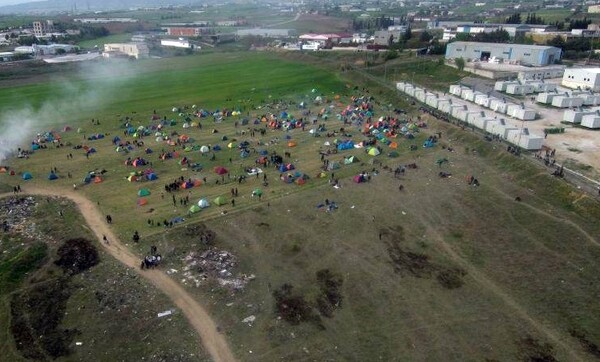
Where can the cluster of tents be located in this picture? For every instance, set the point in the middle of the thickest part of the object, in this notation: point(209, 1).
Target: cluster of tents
point(146, 175)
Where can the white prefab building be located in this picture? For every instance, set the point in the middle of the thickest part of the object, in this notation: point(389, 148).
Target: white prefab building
point(522, 113)
point(481, 99)
point(456, 108)
point(471, 115)
point(483, 122)
point(420, 94)
point(567, 102)
point(575, 115)
point(590, 99)
point(501, 85)
point(467, 93)
point(545, 98)
point(519, 89)
point(410, 90)
point(501, 128)
point(400, 86)
point(555, 71)
point(457, 90)
point(444, 105)
point(495, 102)
point(176, 43)
point(502, 107)
point(490, 125)
point(591, 121)
point(539, 87)
point(474, 95)
point(511, 107)
point(582, 78)
point(431, 99)
point(523, 139)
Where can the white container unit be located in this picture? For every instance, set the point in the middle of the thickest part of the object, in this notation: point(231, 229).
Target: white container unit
point(420, 94)
point(482, 122)
point(456, 89)
point(501, 85)
point(545, 98)
point(522, 113)
point(523, 139)
point(455, 108)
point(591, 121)
point(566, 101)
point(400, 86)
point(575, 115)
point(471, 115)
point(482, 99)
point(431, 99)
point(409, 89)
point(501, 128)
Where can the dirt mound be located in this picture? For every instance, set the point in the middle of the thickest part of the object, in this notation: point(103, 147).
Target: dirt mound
point(202, 232)
point(77, 255)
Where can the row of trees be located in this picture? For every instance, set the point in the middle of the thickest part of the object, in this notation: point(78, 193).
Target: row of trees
point(531, 18)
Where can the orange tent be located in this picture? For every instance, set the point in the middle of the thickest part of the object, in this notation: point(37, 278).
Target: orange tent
point(3, 170)
point(292, 144)
point(97, 179)
point(197, 183)
point(142, 201)
point(394, 145)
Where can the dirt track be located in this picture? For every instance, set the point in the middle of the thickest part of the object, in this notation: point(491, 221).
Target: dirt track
point(214, 342)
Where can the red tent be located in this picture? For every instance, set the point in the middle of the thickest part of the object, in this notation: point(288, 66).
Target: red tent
point(220, 170)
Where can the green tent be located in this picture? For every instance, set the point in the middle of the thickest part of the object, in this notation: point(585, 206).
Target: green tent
point(220, 201)
point(257, 192)
point(143, 192)
point(349, 160)
point(194, 209)
point(393, 154)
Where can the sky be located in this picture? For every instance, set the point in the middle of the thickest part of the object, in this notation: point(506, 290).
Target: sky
point(12, 2)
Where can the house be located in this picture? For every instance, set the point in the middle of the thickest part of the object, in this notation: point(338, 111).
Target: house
point(42, 28)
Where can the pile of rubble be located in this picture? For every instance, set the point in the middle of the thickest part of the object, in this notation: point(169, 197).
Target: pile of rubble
point(213, 264)
point(15, 213)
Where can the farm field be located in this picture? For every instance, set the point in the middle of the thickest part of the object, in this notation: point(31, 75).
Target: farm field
point(411, 267)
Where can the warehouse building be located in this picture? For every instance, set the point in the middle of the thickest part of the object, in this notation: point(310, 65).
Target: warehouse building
point(534, 55)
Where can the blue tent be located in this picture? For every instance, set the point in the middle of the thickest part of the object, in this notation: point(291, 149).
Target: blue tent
point(282, 168)
point(148, 150)
point(216, 148)
point(116, 140)
point(428, 143)
point(244, 154)
point(263, 152)
point(27, 176)
point(347, 145)
point(91, 150)
point(52, 176)
point(87, 179)
point(152, 177)
point(284, 115)
point(35, 146)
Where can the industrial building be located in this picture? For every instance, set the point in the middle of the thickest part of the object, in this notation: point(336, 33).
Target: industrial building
point(534, 55)
point(582, 78)
point(265, 32)
point(136, 50)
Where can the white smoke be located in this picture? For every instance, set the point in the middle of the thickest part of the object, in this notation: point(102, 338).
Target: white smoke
point(95, 85)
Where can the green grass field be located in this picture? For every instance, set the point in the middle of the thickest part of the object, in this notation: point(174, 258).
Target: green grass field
point(116, 38)
point(438, 271)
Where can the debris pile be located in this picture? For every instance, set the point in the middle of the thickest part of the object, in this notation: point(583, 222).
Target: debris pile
point(214, 264)
point(15, 213)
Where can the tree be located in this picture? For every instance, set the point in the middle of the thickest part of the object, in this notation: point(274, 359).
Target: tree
point(391, 54)
point(391, 40)
point(514, 19)
point(425, 36)
point(407, 34)
point(460, 63)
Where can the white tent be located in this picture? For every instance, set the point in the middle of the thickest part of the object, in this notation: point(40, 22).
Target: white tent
point(203, 203)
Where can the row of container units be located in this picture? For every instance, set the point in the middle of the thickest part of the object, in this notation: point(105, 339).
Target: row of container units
point(523, 88)
point(502, 85)
point(575, 115)
point(520, 89)
point(565, 101)
point(479, 119)
point(457, 90)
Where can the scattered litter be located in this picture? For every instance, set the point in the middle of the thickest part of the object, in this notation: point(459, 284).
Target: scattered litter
point(78, 343)
point(172, 271)
point(165, 313)
point(229, 304)
point(249, 319)
point(403, 213)
point(352, 207)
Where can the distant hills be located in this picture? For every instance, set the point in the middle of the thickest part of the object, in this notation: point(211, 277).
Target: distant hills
point(56, 6)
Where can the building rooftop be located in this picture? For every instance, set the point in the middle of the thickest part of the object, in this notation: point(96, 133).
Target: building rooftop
point(526, 46)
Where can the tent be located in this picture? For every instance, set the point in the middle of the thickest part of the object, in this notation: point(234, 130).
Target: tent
point(132, 178)
point(97, 179)
point(194, 209)
point(142, 201)
point(231, 145)
point(203, 203)
point(27, 176)
point(351, 159)
point(358, 179)
point(144, 192)
point(333, 166)
point(52, 176)
point(204, 149)
point(292, 144)
point(393, 154)
point(3, 170)
point(220, 200)
point(152, 176)
point(220, 170)
point(257, 192)
point(373, 151)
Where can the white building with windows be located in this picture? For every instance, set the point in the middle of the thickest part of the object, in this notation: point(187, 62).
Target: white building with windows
point(582, 78)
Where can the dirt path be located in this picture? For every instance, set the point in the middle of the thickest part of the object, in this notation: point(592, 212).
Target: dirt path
point(214, 342)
